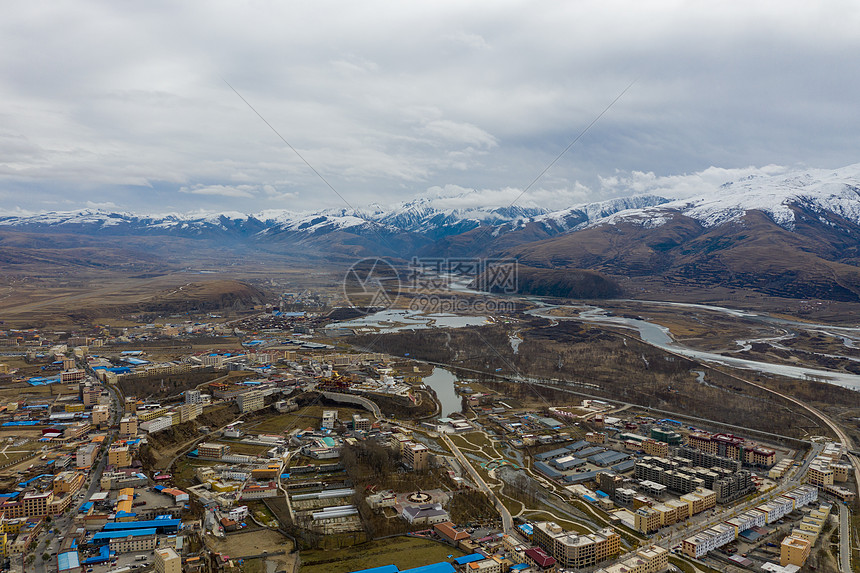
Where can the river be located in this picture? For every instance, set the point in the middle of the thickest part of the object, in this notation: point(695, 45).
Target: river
point(661, 337)
point(442, 382)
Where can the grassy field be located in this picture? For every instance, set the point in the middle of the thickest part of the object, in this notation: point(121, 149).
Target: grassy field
point(246, 449)
point(303, 417)
point(405, 552)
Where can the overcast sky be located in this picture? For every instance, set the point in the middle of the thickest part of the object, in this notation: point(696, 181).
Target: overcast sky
point(124, 106)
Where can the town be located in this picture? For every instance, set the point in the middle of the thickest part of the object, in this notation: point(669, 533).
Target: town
point(209, 445)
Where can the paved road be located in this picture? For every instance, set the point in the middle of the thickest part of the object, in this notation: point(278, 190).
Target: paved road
point(507, 520)
point(844, 539)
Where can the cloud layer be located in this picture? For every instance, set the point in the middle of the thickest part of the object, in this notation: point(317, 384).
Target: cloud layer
point(126, 105)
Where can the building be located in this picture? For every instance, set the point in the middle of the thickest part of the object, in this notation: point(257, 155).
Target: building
point(128, 426)
point(85, 455)
point(820, 473)
point(156, 425)
point(794, 550)
point(90, 395)
point(329, 419)
point(167, 561)
point(708, 540)
point(254, 491)
point(119, 456)
point(100, 414)
point(360, 423)
point(416, 456)
point(652, 559)
point(734, 486)
point(430, 514)
point(77, 430)
point(212, 450)
point(646, 520)
point(655, 448)
point(732, 447)
point(667, 435)
point(193, 397)
point(68, 482)
point(28, 505)
point(250, 401)
point(128, 540)
point(706, 460)
point(70, 376)
point(576, 551)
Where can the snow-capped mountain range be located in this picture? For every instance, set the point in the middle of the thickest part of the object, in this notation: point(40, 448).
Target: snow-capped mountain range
point(790, 235)
point(835, 192)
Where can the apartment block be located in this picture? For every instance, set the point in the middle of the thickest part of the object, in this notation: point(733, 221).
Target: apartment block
point(329, 419)
point(416, 456)
point(576, 551)
point(158, 424)
point(652, 559)
point(100, 414)
point(654, 447)
point(85, 455)
point(193, 397)
point(119, 456)
point(167, 561)
point(708, 540)
point(820, 473)
point(250, 401)
point(794, 551)
point(646, 520)
point(212, 450)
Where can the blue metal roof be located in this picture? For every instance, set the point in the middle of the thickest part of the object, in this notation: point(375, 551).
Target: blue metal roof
point(469, 558)
point(443, 567)
point(68, 560)
point(160, 523)
point(383, 569)
point(108, 535)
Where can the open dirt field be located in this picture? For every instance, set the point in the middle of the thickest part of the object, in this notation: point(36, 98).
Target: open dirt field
point(254, 543)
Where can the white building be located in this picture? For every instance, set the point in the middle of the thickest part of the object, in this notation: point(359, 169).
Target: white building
point(193, 397)
point(156, 425)
point(239, 513)
point(708, 540)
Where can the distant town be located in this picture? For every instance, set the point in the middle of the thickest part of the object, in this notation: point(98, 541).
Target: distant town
point(214, 445)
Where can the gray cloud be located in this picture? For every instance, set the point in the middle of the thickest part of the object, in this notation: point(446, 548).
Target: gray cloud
point(124, 104)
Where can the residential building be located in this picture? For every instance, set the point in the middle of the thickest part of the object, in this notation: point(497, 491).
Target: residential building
point(68, 482)
point(416, 456)
point(85, 455)
point(652, 559)
point(250, 401)
point(128, 426)
point(360, 423)
point(189, 412)
point(156, 425)
point(646, 520)
point(119, 456)
point(576, 551)
point(212, 450)
point(794, 550)
point(100, 414)
point(654, 447)
point(329, 419)
point(193, 397)
point(167, 561)
point(30, 504)
point(708, 540)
